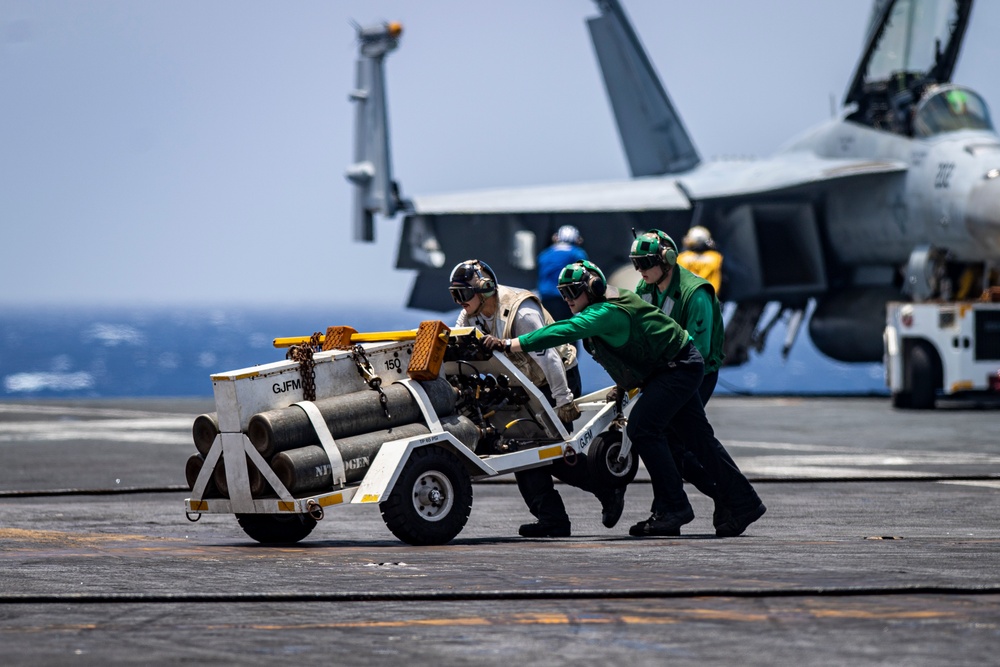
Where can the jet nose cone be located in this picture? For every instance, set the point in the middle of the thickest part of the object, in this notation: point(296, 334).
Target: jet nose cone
point(982, 215)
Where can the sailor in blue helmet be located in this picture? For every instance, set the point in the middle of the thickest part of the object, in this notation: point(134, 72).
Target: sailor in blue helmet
point(641, 347)
point(566, 248)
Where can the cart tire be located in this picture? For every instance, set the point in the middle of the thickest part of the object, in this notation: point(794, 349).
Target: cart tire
point(276, 528)
point(602, 460)
point(921, 378)
point(431, 500)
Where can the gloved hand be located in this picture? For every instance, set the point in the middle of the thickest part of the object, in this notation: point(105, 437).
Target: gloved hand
point(568, 413)
point(612, 395)
point(492, 343)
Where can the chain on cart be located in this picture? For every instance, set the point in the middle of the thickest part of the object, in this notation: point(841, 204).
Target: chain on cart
point(368, 374)
point(303, 354)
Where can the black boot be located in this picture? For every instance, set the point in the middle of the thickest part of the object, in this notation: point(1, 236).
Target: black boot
point(721, 515)
point(539, 529)
point(665, 524)
point(737, 523)
point(612, 505)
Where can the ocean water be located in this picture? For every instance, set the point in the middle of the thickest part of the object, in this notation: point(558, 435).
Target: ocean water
point(103, 352)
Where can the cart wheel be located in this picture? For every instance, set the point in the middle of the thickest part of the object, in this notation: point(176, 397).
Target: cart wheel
point(602, 459)
point(276, 528)
point(431, 500)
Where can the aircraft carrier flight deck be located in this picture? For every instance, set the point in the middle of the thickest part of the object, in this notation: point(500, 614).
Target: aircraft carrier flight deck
point(879, 546)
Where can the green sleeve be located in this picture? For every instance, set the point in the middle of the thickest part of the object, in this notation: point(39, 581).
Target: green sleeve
point(700, 318)
point(600, 319)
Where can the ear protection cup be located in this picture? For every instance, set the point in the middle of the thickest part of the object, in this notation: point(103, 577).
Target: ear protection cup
point(488, 282)
point(484, 281)
point(592, 277)
point(668, 256)
point(668, 249)
point(595, 285)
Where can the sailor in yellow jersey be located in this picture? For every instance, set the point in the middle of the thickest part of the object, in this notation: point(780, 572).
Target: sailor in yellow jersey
point(701, 258)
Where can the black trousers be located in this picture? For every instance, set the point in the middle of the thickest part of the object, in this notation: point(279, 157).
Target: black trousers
point(688, 466)
point(536, 485)
point(670, 405)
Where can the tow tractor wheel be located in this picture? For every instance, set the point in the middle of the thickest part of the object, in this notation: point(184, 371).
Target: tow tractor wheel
point(605, 467)
point(276, 528)
point(921, 377)
point(919, 372)
point(431, 500)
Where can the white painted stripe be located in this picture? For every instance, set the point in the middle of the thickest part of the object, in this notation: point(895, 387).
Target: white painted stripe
point(764, 469)
point(985, 483)
point(89, 412)
point(949, 459)
point(169, 430)
point(793, 446)
point(170, 423)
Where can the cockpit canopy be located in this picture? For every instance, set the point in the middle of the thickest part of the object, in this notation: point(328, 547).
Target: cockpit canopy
point(912, 47)
point(949, 109)
point(913, 37)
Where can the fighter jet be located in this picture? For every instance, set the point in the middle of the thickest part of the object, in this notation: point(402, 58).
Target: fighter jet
point(896, 197)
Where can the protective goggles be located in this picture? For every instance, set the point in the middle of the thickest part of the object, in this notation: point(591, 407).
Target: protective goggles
point(571, 291)
point(645, 262)
point(462, 294)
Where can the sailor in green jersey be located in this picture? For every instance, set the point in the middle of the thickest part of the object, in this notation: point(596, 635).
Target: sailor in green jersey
point(688, 300)
point(691, 302)
point(641, 347)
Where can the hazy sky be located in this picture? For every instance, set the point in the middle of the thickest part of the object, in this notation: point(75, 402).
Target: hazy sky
point(190, 151)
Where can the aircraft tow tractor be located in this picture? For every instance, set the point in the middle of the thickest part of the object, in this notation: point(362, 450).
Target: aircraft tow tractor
point(406, 420)
point(947, 346)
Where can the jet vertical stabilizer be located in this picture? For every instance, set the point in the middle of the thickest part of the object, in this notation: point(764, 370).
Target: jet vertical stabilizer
point(371, 173)
point(651, 130)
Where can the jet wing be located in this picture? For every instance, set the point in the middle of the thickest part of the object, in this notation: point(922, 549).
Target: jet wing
point(784, 172)
point(640, 194)
point(655, 193)
point(507, 227)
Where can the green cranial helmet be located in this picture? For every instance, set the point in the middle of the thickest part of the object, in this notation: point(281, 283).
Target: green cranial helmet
point(585, 275)
point(652, 248)
point(576, 272)
point(645, 245)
